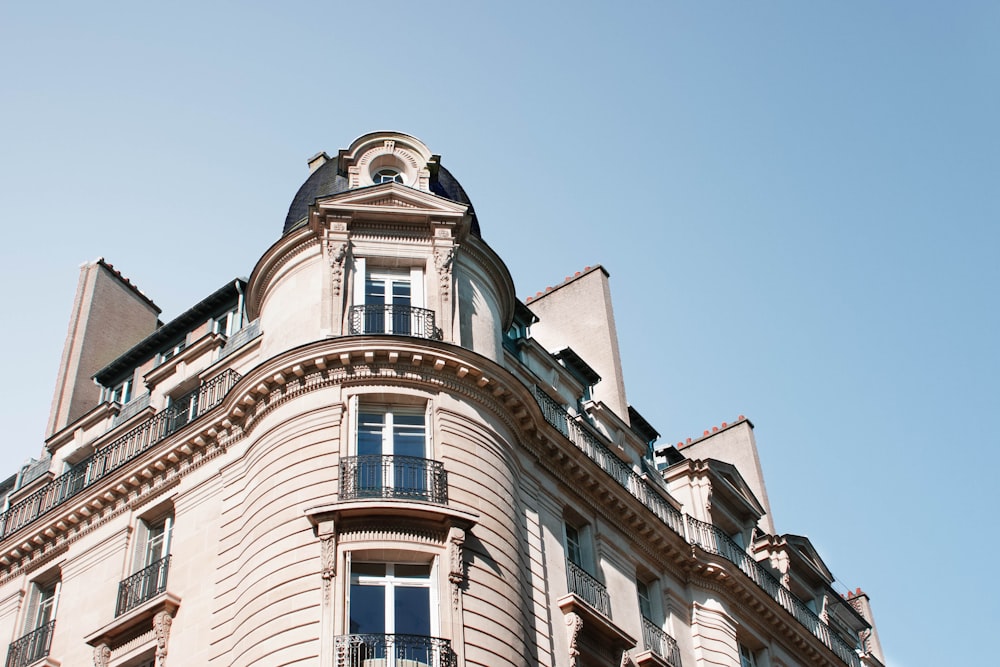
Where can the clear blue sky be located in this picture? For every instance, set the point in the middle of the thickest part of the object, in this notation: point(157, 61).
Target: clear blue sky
point(797, 203)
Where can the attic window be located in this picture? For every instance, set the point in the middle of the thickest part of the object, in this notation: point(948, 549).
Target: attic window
point(387, 176)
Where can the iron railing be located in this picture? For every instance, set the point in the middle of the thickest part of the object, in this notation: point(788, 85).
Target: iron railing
point(660, 643)
point(704, 535)
point(589, 589)
point(116, 454)
point(393, 319)
point(142, 586)
point(370, 650)
point(32, 647)
point(404, 477)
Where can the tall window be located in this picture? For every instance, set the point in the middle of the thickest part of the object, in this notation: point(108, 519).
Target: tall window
point(388, 296)
point(41, 605)
point(39, 623)
point(391, 613)
point(150, 564)
point(391, 448)
point(390, 598)
point(152, 542)
point(388, 300)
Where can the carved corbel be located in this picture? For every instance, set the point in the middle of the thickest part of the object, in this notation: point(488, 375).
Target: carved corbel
point(456, 574)
point(161, 626)
point(102, 655)
point(336, 255)
point(573, 626)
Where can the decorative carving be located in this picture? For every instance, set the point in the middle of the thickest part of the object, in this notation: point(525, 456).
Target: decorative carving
point(627, 659)
point(443, 259)
point(390, 145)
point(456, 575)
point(102, 655)
point(161, 626)
point(336, 253)
point(573, 626)
point(824, 613)
point(328, 545)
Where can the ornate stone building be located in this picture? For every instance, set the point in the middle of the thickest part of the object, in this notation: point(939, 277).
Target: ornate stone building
point(372, 454)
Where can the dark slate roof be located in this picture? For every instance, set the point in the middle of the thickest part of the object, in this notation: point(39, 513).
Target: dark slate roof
point(327, 181)
point(170, 332)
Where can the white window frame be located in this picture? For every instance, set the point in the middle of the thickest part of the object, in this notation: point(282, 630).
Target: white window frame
point(42, 601)
point(142, 550)
point(414, 276)
point(431, 583)
point(748, 657)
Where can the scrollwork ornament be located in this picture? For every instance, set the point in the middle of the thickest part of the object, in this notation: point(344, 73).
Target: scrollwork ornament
point(102, 655)
point(161, 626)
point(573, 626)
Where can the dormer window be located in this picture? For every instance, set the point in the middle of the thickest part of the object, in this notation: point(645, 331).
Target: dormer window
point(387, 176)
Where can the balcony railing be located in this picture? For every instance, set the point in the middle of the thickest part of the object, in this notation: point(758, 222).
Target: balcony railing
point(393, 319)
point(590, 590)
point(402, 477)
point(702, 534)
point(32, 647)
point(116, 454)
point(660, 643)
point(142, 586)
point(370, 650)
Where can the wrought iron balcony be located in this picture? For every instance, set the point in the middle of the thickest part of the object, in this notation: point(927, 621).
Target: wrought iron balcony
point(32, 647)
point(398, 477)
point(660, 643)
point(393, 319)
point(142, 586)
point(118, 453)
point(587, 588)
point(370, 650)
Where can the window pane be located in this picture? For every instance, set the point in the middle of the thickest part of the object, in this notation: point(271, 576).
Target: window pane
point(368, 569)
point(367, 609)
point(573, 551)
point(413, 610)
point(644, 604)
point(408, 435)
point(370, 427)
point(409, 571)
point(401, 292)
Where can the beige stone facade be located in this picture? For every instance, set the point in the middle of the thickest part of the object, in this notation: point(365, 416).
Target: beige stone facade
point(372, 454)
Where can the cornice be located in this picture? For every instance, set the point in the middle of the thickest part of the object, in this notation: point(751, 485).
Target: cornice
point(273, 260)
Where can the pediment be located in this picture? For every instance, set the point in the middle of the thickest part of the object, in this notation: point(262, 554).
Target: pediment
point(730, 476)
point(804, 548)
point(392, 197)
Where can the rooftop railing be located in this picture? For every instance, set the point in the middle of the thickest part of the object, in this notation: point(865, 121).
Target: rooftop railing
point(696, 532)
point(400, 477)
point(587, 588)
point(116, 454)
point(32, 647)
point(371, 650)
point(395, 319)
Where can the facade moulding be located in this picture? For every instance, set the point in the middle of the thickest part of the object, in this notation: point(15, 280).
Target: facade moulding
point(718, 575)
